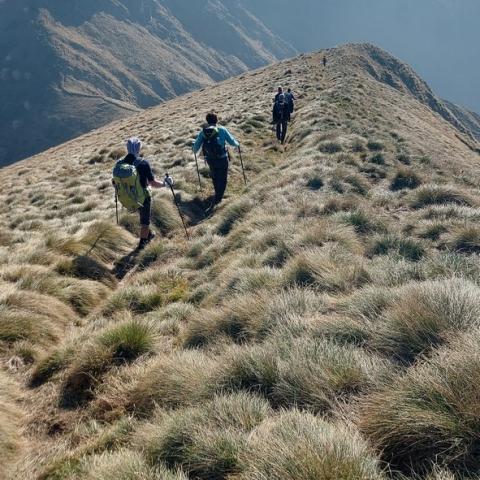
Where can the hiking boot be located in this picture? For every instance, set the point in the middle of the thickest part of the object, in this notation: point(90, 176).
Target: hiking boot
point(151, 236)
point(210, 208)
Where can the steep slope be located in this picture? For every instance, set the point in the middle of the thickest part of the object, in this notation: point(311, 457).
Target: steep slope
point(70, 67)
point(323, 324)
point(397, 74)
point(466, 117)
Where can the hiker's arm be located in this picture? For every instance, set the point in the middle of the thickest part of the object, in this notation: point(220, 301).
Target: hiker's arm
point(198, 142)
point(230, 139)
point(156, 184)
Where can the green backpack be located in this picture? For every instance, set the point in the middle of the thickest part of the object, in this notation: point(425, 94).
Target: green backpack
point(127, 184)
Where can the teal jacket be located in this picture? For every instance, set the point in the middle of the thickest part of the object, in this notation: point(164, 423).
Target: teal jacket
point(224, 136)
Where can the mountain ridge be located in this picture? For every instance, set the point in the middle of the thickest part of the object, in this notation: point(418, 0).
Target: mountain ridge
point(278, 330)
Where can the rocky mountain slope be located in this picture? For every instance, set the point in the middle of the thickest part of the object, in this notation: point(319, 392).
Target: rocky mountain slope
point(68, 67)
point(322, 324)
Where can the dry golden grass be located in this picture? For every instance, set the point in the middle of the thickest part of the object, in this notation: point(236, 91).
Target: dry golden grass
point(337, 282)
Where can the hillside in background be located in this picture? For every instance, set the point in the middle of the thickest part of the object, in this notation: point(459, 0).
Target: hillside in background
point(323, 324)
point(69, 67)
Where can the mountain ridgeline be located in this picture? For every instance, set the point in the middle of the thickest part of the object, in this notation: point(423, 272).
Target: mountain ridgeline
point(323, 323)
point(69, 67)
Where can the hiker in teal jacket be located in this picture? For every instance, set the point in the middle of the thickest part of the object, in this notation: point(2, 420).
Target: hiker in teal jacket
point(212, 140)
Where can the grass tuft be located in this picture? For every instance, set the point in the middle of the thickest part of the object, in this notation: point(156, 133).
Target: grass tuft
point(439, 195)
point(405, 178)
point(299, 446)
point(430, 414)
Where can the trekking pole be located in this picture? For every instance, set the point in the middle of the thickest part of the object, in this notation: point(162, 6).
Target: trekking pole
point(116, 204)
point(178, 206)
point(241, 163)
point(198, 170)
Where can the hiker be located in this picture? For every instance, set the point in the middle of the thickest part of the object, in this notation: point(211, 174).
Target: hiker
point(279, 92)
point(281, 117)
point(132, 179)
point(290, 99)
point(324, 61)
point(212, 139)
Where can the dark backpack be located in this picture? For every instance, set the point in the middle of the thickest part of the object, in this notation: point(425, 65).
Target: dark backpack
point(211, 147)
point(281, 111)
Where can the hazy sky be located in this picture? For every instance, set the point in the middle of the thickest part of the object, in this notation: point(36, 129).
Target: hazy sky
point(439, 38)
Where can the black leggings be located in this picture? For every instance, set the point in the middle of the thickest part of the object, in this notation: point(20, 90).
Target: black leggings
point(282, 127)
point(219, 174)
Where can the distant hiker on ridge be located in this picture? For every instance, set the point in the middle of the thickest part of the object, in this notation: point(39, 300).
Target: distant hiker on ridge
point(212, 139)
point(324, 61)
point(279, 92)
point(290, 99)
point(132, 179)
point(281, 117)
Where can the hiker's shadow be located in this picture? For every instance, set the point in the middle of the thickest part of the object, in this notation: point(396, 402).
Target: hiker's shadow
point(125, 264)
point(194, 209)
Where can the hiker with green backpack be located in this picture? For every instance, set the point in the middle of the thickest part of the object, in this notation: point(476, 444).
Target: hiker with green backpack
point(212, 139)
point(132, 179)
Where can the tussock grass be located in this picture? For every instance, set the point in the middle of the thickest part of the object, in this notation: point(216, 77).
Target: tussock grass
point(165, 216)
point(118, 345)
point(340, 204)
point(249, 317)
point(430, 415)
point(10, 415)
point(329, 269)
point(100, 240)
point(31, 316)
point(313, 374)
point(125, 465)
point(424, 314)
point(433, 231)
point(318, 375)
point(169, 381)
point(405, 178)
point(439, 195)
point(375, 145)
point(330, 147)
point(48, 366)
point(143, 298)
point(367, 304)
point(206, 442)
point(328, 232)
point(82, 295)
point(464, 239)
point(406, 248)
point(300, 446)
point(86, 268)
point(362, 222)
point(232, 215)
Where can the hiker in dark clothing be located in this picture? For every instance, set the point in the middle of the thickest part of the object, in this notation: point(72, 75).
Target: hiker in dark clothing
point(290, 99)
point(324, 61)
point(212, 139)
point(135, 173)
point(281, 117)
point(279, 92)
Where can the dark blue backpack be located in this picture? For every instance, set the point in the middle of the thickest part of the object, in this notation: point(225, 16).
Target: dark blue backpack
point(211, 147)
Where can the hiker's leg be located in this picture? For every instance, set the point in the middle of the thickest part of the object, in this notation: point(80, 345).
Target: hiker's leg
point(279, 130)
point(145, 213)
point(213, 176)
point(284, 130)
point(222, 178)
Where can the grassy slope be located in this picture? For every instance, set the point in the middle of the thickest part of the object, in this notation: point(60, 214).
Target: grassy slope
point(323, 324)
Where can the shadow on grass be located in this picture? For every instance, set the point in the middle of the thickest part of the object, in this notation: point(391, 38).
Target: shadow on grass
point(125, 264)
